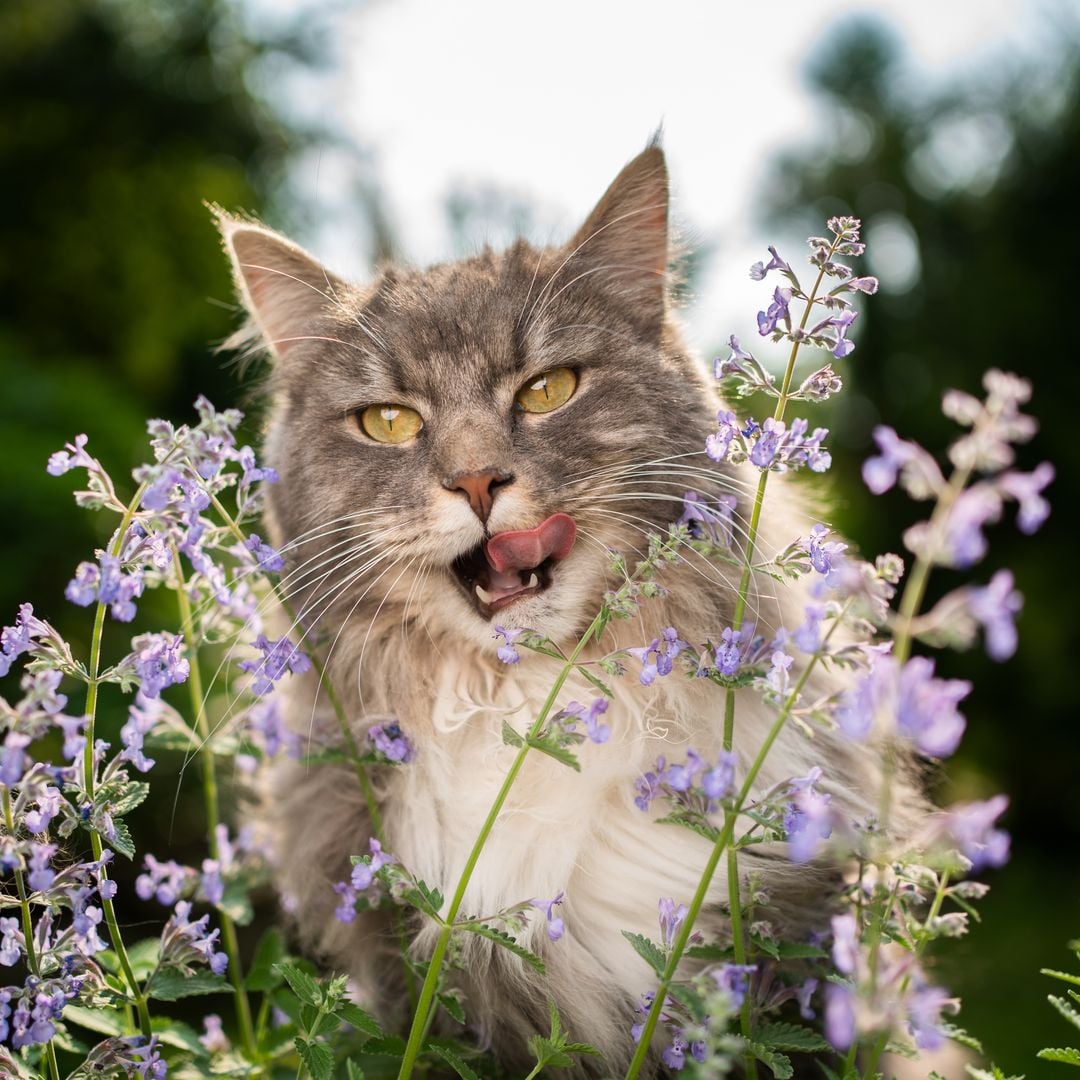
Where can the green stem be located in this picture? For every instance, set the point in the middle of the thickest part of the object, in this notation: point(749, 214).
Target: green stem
point(431, 980)
point(93, 682)
point(28, 924)
point(722, 842)
point(739, 945)
point(211, 804)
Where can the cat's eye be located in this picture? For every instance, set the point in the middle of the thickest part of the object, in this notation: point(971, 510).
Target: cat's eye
point(550, 390)
point(390, 423)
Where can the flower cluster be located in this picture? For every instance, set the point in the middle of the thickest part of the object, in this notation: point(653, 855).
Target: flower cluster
point(771, 444)
point(694, 784)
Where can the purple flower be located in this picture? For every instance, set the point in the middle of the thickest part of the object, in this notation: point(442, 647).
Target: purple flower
point(672, 916)
point(11, 942)
point(906, 461)
point(164, 882)
point(48, 806)
point(555, 926)
point(924, 1008)
point(73, 456)
point(674, 1056)
point(729, 652)
point(252, 473)
point(1026, 489)
point(971, 827)
point(734, 980)
point(845, 949)
point(759, 270)
point(264, 720)
point(718, 781)
point(824, 554)
point(18, 639)
point(778, 676)
point(839, 1016)
point(363, 873)
point(994, 607)
point(656, 658)
point(267, 559)
point(776, 312)
point(807, 817)
point(389, 740)
point(718, 444)
point(106, 583)
point(648, 787)
point(159, 490)
point(808, 636)
point(973, 509)
point(184, 942)
point(596, 731)
point(803, 994)
point(278, 657)
point(143, 716)
point(506, 651)
point(706, 523)
point(926, 708)
point(214, 1038)
point(13, 759)
point(158, 662)
point(41, 874)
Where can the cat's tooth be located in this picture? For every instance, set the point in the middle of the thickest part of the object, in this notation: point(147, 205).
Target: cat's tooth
point(485, 596)
point(532, 582)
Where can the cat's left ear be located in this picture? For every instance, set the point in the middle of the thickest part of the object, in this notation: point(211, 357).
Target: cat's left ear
point(624, 242)
point(284, 289)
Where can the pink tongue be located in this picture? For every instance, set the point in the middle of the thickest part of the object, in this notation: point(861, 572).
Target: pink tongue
point(525, 548)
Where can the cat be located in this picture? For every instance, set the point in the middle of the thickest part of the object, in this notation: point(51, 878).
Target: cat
point(402, 427)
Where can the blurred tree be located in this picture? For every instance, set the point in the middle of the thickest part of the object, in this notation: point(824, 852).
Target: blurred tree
point(969, 202)
point(120, 118)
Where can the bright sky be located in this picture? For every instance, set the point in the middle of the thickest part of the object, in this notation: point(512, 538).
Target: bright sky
point(547, 101)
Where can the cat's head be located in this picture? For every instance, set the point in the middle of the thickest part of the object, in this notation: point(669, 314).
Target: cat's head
point(465, 441)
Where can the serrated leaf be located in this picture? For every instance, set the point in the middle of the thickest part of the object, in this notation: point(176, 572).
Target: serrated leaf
point(711, 952)
point(453, 1006)
point(794, 1037)
point(317, 1057)
point(168, 984)
point(269, 952)
point(597, 682)
point(1064, 976)
point(121, 842)
point(388, 1046)
point(510, 736)
point(1065, 1055)
point(103, 1021)
point(507, 942)
point(648, 950)
point(236, 904)
point(451, 1058)
point(549, 746)
point(130, 795)
point(353, 1071)
point(794, 950)
point(964, 1038)
point(548, 1053)
point(1065, 1009)
point(302, 984)
point(172, 739)
point(363, 1021)
point(776, 1063)
point(427, 899)
point(694, 824)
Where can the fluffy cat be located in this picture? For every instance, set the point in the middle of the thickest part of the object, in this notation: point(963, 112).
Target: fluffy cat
point(392, 591)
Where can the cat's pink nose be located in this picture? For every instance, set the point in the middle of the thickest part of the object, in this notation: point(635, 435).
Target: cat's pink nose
point(480, 488)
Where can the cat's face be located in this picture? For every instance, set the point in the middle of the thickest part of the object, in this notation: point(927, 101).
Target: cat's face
point(465, 442)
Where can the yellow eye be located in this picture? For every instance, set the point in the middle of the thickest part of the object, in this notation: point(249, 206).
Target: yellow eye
point(552, 389)
point(390, 423)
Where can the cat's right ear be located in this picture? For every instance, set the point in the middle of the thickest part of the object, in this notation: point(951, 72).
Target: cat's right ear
point(284, 289)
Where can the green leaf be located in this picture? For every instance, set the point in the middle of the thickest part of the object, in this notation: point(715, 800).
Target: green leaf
point(547, 1052)
point(388, 1046)
point(711, 952)
point(959, 1035)
point(510, 736)
point(691, 822)
point(794, 1037)
point(1064, 976)
point(449, 1055)
point(794, 950)
point(317, 1058)
point(425, 898)
point(353, 1071)
point(547, 745)
point(359, 1019)
point(647, 950)
point(121, 843)
point(1066, 1055)
point(303, 985)
point(598, 683)
point(507, 942)
point(777, 1064)
point(453, 1006)
point(993, 1073)
point(143, 956)
point(103, 1021)
point(178, 1034)
point(268, 953)
point(130, 795)
point(235, 903)
point(1065, 1009)
point(169, 984)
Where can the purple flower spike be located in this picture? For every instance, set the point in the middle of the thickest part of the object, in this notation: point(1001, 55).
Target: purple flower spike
point(672, 916)
point(994, 607)
point(279, 657)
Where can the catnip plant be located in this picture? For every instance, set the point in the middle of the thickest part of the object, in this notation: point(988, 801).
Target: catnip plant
point(87, 997)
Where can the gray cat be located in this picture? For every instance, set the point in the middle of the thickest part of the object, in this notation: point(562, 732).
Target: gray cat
point(543, 396)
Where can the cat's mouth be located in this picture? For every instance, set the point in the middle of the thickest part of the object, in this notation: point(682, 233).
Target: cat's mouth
point(513, 565)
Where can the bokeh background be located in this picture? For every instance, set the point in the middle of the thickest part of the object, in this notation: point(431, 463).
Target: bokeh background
point(421, 130)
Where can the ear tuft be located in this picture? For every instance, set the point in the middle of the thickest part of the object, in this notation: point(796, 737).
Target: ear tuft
point(284, 289)
point(624, 241)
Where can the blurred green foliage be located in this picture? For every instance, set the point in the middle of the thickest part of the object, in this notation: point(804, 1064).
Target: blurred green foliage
point(122, 116)
point(969, 202)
